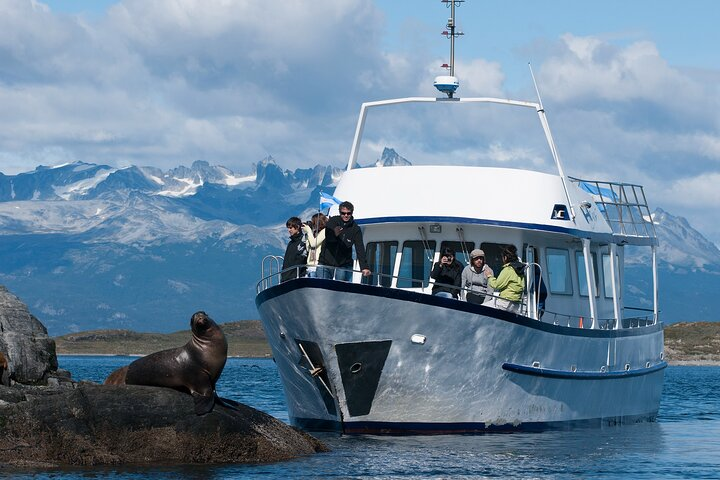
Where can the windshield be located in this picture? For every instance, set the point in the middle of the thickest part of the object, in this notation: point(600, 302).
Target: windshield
point(448, 133)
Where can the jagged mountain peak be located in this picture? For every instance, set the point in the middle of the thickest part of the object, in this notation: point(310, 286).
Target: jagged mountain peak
point(390, 158)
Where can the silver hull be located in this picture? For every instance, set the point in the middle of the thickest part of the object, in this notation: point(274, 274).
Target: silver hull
point(478, 369)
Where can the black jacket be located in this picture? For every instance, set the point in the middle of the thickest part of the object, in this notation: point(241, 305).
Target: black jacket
point(448, 275)
point(295, 254)
point(337, 249)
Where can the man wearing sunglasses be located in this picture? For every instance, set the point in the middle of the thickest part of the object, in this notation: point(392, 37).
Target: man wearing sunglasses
point(341, 233)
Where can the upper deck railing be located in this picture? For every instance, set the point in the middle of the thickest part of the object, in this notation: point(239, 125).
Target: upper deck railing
point(272, 277)
point(624, 207)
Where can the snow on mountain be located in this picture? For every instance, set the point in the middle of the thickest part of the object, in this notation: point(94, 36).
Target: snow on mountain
point(145, 204)
point(53, 183)
point(681, 246)
point(390, 158)
point(183, 181)
point(91, 246)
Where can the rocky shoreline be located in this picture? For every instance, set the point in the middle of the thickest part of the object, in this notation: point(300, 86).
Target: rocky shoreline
point(88, 424)
point(48, 420)
point(693, 343)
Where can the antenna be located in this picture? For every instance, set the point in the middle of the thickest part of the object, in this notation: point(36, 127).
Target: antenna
point(448, 84)
point(537, 90)
point(551, 143)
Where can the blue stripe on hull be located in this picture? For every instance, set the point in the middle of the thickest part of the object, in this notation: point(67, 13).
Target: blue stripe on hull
point(469, 428)
point(569, 375)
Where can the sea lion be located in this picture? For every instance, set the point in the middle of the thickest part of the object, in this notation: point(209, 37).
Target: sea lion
point(194, 367)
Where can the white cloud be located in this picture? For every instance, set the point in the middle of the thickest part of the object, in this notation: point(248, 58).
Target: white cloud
point(696, 192)
point(167, 82)
point(480, 78)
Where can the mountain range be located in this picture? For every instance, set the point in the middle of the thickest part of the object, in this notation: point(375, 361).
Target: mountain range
point(91, 246)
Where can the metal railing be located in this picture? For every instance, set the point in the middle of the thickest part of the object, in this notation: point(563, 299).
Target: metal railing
point(545, 316)
point(623, 205)
point(273, 263)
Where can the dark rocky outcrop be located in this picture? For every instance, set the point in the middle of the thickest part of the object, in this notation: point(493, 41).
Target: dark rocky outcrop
point(24, 341)
point(48, 420)
point(89, 424)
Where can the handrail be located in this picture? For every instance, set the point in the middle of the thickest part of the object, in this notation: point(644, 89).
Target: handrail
point(623, 206)
point(274, 279)
point(572, 321)
point(271, 261)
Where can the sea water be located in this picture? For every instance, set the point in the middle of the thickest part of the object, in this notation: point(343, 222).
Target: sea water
point(683, 443)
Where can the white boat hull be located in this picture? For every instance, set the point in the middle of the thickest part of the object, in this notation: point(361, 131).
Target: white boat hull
point(479, 369)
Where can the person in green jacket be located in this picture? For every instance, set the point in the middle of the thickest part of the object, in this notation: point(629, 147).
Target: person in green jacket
point(510, 283)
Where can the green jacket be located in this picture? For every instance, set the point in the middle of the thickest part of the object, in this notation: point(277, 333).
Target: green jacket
point(508, 283)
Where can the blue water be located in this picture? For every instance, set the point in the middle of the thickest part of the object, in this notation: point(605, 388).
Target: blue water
point(683, 443)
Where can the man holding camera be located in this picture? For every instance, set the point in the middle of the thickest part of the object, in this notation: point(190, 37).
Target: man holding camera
point(447, 274)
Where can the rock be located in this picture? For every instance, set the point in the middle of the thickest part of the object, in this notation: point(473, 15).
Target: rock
point(24, 341)
point(89, 424)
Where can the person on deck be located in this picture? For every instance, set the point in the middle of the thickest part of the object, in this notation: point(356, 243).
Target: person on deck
point(447, 274)
point(511, 282)
point(295, 253)
point(314, 232)
point(474, 278)
point(341, 234)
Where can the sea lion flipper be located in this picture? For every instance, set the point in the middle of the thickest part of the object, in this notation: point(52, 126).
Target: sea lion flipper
point(203, 403)
point(226, 402)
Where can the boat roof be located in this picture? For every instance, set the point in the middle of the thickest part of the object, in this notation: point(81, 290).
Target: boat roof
point(504, 197)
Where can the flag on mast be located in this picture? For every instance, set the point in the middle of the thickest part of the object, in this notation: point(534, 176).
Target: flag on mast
point(327, 200)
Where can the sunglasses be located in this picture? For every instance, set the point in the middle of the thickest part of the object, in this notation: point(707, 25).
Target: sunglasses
point(345, 213)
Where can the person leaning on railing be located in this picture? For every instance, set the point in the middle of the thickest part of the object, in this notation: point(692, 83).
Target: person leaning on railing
point(295, 253)
point(510, 283)
point(341, 233)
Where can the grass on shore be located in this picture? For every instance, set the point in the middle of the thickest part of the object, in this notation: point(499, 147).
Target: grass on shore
point(245, 339)
point(685, 343)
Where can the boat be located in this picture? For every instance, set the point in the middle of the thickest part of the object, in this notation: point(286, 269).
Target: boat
point(381, 355)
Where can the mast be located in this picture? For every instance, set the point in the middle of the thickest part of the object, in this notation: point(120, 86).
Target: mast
point(448, 84)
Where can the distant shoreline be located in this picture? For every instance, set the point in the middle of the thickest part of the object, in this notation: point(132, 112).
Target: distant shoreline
point(686, 344)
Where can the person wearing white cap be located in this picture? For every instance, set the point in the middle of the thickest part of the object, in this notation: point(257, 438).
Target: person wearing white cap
point(474, 279)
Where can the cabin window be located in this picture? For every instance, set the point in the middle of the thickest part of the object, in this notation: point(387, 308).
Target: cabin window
point(493, 255)
point(381, 258)
point(607, 277)
point(558, 271)
point(462, 250)
point(582, 277)
point(416, 263)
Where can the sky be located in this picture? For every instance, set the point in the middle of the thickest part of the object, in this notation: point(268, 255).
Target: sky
point(631, 89)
